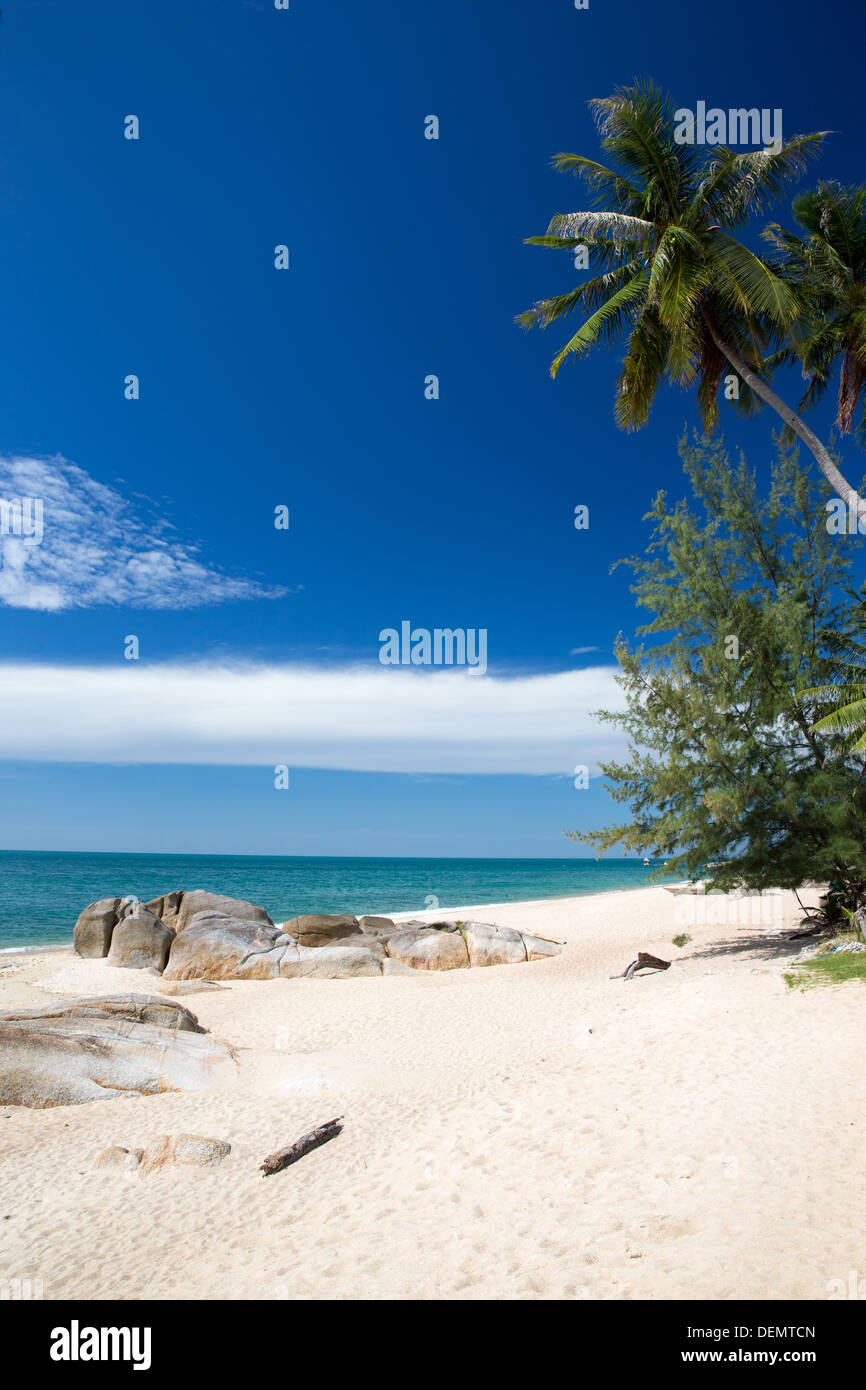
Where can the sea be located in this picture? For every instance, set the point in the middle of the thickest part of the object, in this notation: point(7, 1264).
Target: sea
point(42, 893)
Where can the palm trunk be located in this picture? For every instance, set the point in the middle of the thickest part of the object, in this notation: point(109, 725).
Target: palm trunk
point(793, 420)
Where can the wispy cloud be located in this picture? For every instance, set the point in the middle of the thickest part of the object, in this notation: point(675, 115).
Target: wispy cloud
point(100, 547)
point(582, 651)
point(354, 718)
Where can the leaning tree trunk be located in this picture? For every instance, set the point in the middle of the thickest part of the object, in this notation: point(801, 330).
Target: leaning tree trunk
point(793, 420)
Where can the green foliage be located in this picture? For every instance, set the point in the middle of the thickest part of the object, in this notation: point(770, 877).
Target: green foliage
point(673, 281)
point(845, 699)
point(838, 905)
point(681, 940)
point(827, 268)
point(827, 970)
point(723, 767)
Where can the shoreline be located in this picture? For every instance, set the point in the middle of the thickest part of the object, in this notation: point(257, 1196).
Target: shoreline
point(432, 913)
point(424, 914)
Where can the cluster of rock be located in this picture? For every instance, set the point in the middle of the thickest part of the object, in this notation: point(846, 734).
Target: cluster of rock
point(106, 1046)
point(206, 936)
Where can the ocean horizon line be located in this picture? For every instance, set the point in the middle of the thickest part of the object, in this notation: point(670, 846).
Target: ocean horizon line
point(42, 892)
point(386, 858)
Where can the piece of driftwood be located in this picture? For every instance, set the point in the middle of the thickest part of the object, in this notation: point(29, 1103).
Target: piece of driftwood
point(644, 962)
point(274, 1163)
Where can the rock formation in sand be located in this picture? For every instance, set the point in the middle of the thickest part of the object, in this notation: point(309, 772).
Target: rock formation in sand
point(207, 936)
point(107, 1046)
point(140, 941)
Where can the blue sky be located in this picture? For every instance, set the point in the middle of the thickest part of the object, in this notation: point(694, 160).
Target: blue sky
point(305, 388)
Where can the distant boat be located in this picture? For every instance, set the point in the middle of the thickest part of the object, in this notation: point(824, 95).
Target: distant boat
point(646, 864)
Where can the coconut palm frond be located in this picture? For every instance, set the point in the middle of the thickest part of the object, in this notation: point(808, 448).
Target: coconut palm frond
point(590, 295)
point(605, 322)
point(613, 226)
point(827, 266)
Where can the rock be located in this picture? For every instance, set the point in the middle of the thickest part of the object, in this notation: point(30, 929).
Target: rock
point(263, 965)
point(183, 1150)
point(69, 1061)
point(175, 987)
point(131, 1008)
point(118, 1159)
point(377, 926)
point(492, 945)
point(199, 901)
point(166, 908)
point(320, 929)
point(537, 948)
point(291, 954)
point(212, 946)
point(424, 948)
point(396, 967)
point(374, 944)
point(329, 963)
point(91, 935)
point(140, 940)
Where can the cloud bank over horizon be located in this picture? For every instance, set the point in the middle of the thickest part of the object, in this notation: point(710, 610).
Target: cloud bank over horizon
point(99, 547)
point(352, 719)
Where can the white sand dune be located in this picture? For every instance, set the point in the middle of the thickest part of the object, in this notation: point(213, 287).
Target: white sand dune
point(535, 1131)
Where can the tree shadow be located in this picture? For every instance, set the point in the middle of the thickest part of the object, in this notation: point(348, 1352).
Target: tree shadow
point(755, 943)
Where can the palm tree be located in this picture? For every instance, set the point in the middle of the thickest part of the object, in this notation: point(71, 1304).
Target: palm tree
point(828, 268)
point(685, 293)
point(846, 697)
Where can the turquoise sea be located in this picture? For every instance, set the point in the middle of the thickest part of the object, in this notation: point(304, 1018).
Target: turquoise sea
point(42, 893)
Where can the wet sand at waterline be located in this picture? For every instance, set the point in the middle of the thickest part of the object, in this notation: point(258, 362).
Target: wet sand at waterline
point(529, 1131)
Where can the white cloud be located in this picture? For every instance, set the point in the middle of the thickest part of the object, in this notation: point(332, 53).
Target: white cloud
point(98, 547)
point(355, 718)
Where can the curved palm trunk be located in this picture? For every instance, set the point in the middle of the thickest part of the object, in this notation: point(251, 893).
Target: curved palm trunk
point(793, 420)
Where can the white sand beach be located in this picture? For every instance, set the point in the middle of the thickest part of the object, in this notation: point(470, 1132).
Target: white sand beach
point(538, 1131)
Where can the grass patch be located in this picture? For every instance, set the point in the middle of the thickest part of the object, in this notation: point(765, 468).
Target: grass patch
point(682, 940)
point(828, 970)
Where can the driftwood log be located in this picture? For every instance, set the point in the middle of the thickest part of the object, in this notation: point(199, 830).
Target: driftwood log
point(644, 962)
point(274, 1163)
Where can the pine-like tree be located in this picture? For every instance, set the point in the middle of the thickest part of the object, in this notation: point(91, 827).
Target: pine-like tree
point(724, 767)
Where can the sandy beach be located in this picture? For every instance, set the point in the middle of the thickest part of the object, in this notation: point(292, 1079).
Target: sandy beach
point(539, 1131)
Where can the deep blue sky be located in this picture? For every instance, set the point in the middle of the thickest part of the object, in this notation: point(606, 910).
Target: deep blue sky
point(306, 387)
